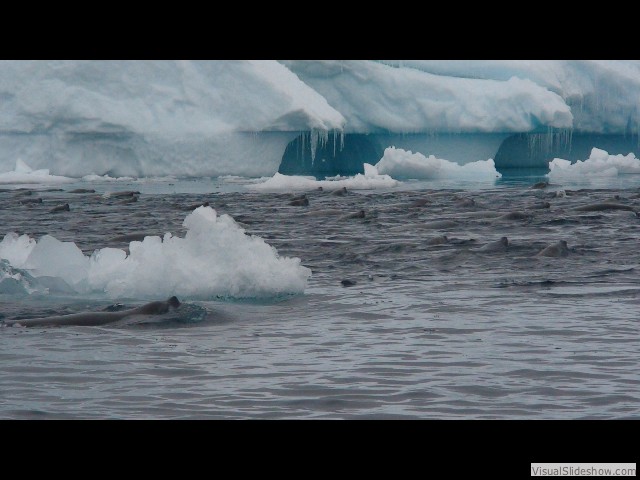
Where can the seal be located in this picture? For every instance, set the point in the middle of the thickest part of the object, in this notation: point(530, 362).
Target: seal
point(439, 240)
point(98, 318)
point(125, 193)
point(559, 249)
point(60, 208)
point(465, 202)
point(301, 202)
point(539, 185)
point(421, 202)
point(358, 214)
point(132, 237)
point(601, 207)
point(128, 200)
point(440, 224)
point(340, 192)
point(82, 190)
point(497, 246)
point(540, 205)
point(514, 216)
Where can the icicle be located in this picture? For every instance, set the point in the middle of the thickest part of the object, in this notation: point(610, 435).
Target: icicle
point(318, 138)
point(314, 145)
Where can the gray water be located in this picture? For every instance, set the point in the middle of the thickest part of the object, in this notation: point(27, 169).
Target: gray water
point(424, 331)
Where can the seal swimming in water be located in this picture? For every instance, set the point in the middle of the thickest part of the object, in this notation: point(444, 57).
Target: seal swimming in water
point(514, 216)
point(439, 240)
point(559, 249)
point(132, 237)
point(98, 318)
point(125, 193)
point(539, 185)
point(440, 224)
point(465, 202)
point(358, 214)
point(82, 190)
point(60, 208)
point(497, 246)
point(421, 202)
point(540, 205)
point(301, 202)
point(601, 207)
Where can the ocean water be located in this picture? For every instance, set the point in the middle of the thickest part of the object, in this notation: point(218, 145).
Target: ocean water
point(396, 322)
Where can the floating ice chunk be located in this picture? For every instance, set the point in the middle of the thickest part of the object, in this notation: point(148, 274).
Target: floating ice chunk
point(401, 163)
point(215, 258)
point(284, 183)
point(51, 257)
point(16, 248)
point(105, 178)
point(599, 164)
point(23, 173)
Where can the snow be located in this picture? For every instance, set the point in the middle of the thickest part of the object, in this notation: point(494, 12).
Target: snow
point(375, 97)
point(214, 259)
point(604, 95)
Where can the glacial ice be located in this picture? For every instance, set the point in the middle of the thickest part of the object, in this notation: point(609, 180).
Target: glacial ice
point(375, 98)
point(214, 259)
point(213, 118)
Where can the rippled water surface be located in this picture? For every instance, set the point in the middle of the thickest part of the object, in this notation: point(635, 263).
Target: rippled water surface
point(397, 321)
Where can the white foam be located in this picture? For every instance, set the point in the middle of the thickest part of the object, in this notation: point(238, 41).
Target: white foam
point(24, 174)
point(214, 259)
point(404, 164)
point(370, 180)
point(599, 165)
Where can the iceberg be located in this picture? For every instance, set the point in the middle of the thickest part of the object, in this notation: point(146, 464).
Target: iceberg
point(215, 118)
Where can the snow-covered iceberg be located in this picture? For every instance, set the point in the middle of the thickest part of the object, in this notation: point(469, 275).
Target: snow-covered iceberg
point(212, 118)
point(154, 118)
